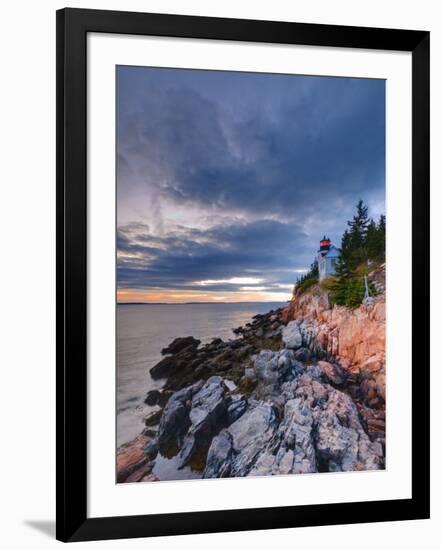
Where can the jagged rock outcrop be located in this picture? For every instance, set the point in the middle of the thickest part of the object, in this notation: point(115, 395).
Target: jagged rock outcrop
point(356, 339)
point(207, 415)
point(175, 418)
point(179, 344)
point(291, 336)
point(131, 458)
point(192, 417)
point(242, 443)
point(178, 354)
point(186, 361)
point(310, 427)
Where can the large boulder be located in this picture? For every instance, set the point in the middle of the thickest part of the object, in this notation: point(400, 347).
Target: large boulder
point(303, 354)
point(335, 374)
point(166, 367)
point(173, 426)
point(180, 344)
point(235, 409)
point(207, 416)
point(234, 451)
point(293, 451)
point(267, 366)
point(341, 442)
point(152, 398)
point(157, 397)
point(220, 456)
point(180, 354)
point(175, 419)
point(131, 457)
point(291, 335)
point(272, 367)
point(250, 434)
point(373, 389)
point(153, 418)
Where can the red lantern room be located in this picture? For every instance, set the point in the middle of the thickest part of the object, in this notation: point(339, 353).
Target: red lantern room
point(325, 244)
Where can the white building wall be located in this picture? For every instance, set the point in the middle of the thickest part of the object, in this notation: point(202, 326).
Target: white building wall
point(326, 266)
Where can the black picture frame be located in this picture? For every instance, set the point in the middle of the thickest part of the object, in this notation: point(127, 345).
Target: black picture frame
point(72, 28)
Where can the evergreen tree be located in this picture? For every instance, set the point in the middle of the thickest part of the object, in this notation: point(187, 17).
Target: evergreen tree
point(354, 292)
point(314, 270)
point(345, 250)
point(381, 236)
point(339, 284)
point(372, 240)
point(364, 239)
point(308, 279)
point(358, 228)
point(376, 239)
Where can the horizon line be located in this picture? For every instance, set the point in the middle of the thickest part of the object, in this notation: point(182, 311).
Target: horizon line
point(197, 303)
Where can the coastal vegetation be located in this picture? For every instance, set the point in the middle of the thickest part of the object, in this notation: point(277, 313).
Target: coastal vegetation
point(307, 280)
point(362, 250)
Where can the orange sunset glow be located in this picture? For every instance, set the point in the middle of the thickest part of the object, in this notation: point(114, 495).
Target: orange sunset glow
point(181, 297)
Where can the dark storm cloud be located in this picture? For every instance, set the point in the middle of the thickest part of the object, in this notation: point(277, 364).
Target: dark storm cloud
point(265, 249)
point(284, 157)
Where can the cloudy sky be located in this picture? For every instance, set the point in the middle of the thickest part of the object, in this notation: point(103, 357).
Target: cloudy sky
point(227, 181)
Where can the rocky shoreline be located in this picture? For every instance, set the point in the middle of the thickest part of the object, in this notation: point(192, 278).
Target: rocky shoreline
point(274, 400)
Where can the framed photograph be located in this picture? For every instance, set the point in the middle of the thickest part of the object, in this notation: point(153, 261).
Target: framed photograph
point(242, 274)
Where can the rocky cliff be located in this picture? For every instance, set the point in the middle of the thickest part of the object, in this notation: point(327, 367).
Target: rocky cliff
point(356, 339)
point(300, 390)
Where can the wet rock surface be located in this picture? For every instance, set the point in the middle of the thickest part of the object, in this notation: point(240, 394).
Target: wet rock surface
point(272, 401)
point(180, 344)
point(131, 457)
point(175, 418)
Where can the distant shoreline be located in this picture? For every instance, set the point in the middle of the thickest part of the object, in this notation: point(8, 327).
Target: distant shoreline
point(192, 303)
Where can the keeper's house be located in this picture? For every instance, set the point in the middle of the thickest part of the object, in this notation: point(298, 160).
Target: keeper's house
point(327, 257)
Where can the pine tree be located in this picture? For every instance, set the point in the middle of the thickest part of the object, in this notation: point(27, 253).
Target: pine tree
point(339, 285)
point(345, 248)
point(354, 292)
point(314, 270)
point(376, 239)
point(358, 228)
point(381, 232)
point(372, 240)
point(308, 279)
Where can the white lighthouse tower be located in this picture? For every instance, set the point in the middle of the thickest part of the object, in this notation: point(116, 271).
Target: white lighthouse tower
point(327, 257)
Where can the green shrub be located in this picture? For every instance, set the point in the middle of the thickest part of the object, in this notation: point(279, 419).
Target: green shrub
point(328, 283)
point(354, 292)
point(350, 292)
point(304, 285)
point(307, 280)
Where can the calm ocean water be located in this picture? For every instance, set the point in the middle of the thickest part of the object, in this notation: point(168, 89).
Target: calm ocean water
point(144, 329)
